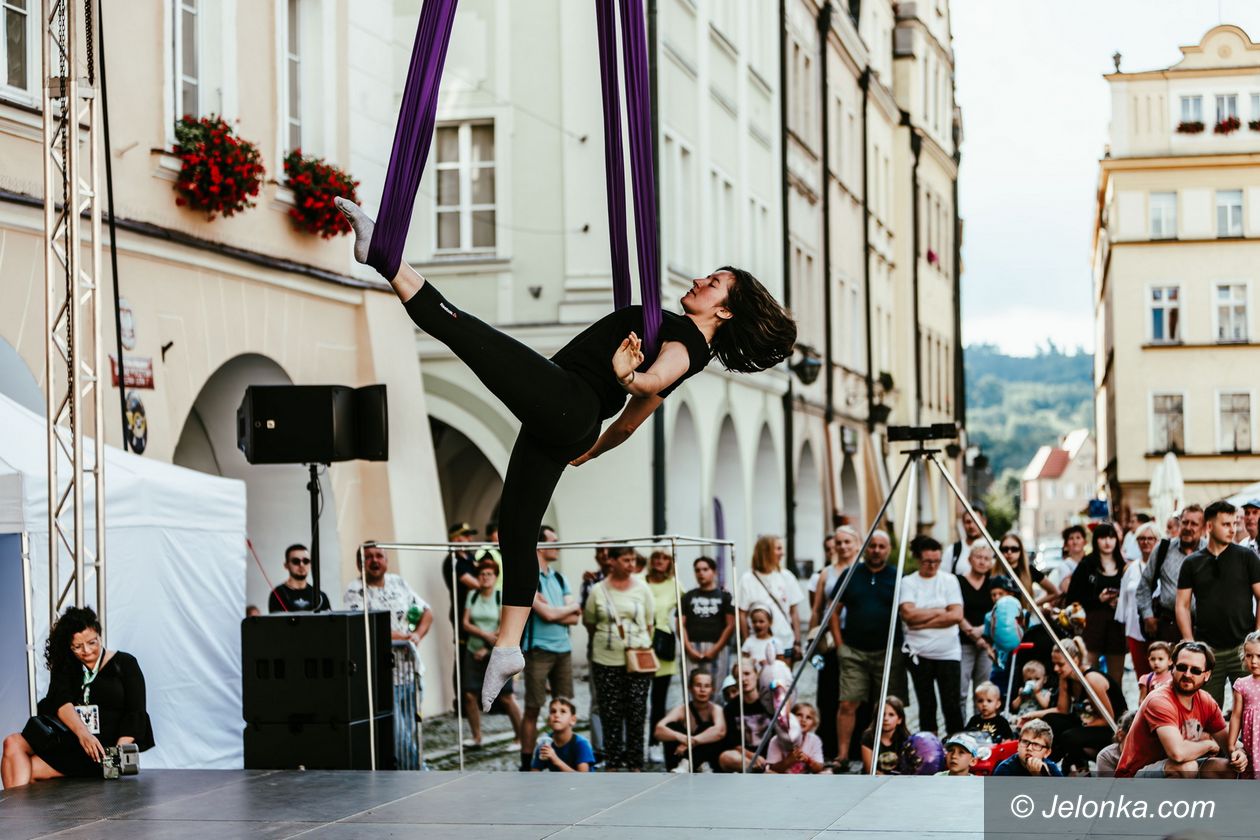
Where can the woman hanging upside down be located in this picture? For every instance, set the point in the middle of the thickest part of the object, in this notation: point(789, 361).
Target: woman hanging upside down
point(562, 401)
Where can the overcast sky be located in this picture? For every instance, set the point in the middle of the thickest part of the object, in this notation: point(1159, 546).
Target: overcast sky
point(1035, 113)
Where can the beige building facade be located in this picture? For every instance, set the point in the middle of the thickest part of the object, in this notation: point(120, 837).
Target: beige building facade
point(1176, 288)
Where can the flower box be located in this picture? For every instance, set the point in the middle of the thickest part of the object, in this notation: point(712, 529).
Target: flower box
point(1189, 128)
point(219, 173)
point(1228, 125)
point(1254, 125)
point(932, 257)
point(315, 183)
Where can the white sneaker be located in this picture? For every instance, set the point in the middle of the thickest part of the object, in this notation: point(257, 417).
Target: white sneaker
point(656, 754)
point(683, 767)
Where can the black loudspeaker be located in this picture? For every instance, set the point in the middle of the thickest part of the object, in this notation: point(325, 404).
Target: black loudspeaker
point(312, 424)
point(319, 746)
point(299, 669)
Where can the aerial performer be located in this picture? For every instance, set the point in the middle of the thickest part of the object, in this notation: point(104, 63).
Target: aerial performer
point(561, 402)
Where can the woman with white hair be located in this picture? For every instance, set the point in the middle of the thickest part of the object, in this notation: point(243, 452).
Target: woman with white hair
point(1147, 536)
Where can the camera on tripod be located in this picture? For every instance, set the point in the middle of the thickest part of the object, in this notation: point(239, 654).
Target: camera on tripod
point(923, 434)
point(119, 761)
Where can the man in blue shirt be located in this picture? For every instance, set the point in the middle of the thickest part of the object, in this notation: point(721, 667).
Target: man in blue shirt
point(1032, 757)
point(548, 653)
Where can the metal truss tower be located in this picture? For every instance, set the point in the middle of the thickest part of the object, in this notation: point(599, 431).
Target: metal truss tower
point(72, 274)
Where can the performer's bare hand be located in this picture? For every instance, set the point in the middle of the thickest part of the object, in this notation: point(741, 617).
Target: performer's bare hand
point(581, 459)
point(628, 357)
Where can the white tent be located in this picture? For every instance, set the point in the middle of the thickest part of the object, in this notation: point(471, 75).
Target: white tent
point(175, 596)
point(1251, 491)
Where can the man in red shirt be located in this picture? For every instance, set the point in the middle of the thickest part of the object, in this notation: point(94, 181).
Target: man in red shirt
point(1179, 731)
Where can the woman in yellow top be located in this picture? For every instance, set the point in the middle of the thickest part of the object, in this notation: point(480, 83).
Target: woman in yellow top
point(619, 614)
point(660, 579)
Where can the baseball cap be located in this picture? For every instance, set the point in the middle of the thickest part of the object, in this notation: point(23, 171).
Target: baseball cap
point(460, 529)
point(729, 682)
point(1255, 503)
point(962, 739)
point(1002, 582)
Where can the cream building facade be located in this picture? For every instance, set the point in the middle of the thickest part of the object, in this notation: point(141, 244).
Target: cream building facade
point(1176, 288)
point(215, 306)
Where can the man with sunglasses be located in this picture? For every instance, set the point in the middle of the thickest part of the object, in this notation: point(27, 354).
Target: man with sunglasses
point(295, 594)
point(1179, 731)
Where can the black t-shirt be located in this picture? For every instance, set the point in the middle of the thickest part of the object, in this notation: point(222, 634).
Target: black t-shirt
point(976, 602)
point(1222, 589)
point(464, 565)
point(706, 613)
point(118, 691)
point(997, 728)
point(1088, 582)
point(590, 353)
point(284, 599)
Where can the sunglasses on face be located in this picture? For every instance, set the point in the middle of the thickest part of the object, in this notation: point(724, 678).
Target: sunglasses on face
point(1182, 668)
point(300, 561)
point(1010, 549)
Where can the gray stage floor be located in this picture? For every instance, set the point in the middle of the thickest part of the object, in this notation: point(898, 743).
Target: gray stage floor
point(321, 805)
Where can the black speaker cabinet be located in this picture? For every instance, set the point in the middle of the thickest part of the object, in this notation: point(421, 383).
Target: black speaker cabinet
point(305, 668)
point(312, 424)
point(319, 746)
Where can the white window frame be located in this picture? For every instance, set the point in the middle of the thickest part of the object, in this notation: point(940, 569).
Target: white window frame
point(177, 58)
point(1159, 212)
point(1150, 414)
point(1226, 106)
point(216, 61)
point(1255, 106)
point(288, 58)
point(1217, 303)
point(466, 208)
point(723, 215)
point(1233, 229)
point(1194, 111)
point(28, 95)
point(1221, 446)
point(1151, 306)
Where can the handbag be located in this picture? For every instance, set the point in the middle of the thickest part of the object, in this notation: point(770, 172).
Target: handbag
point(638, 660)
point(665, 644)
point(46, 734)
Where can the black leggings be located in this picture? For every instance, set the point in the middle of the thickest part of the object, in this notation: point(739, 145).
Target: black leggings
point(559, 417)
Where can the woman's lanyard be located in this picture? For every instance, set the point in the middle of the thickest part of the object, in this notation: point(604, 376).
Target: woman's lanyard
point(89, 676)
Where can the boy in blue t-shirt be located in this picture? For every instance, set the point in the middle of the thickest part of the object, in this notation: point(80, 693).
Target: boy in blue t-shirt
point(565, 751)
point(1032, 757)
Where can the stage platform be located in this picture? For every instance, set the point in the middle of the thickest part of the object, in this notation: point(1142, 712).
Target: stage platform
point(346, 805)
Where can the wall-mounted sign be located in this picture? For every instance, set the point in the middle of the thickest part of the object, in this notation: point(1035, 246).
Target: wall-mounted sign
point(128, 321)
point(137, 371)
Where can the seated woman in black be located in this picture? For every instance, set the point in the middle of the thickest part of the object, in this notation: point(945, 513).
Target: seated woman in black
point(98, 694)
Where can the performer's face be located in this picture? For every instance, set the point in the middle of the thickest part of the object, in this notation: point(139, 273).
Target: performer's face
point(708, 295)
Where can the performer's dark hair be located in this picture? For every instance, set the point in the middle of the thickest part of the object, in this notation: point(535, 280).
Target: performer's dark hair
point(57, 654)
point(760, 333)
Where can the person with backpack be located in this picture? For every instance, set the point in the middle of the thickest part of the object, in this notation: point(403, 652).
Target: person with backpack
point(548, 652)
point(956, 560)
point(1157, 588)
point(481, 624)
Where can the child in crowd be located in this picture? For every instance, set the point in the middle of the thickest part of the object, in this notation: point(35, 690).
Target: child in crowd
point(1035, 694)
point(708, 728)
point(892, 738)
point(1159, 655)
point(1003, 628)
point(1033, 755)
point(808, 757)
point(1109, 756)
point(564, 750)
point(988, 717)
point(761, 646)
point(1245, 719)
point(730, 689)
point(961, 751)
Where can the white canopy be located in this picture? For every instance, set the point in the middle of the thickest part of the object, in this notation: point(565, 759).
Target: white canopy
point(175, 570)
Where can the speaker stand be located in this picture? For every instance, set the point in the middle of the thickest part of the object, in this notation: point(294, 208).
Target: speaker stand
point(312, 487)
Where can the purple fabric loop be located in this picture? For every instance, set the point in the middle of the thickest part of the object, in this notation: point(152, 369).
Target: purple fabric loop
point(413, 136)
point(643, 184)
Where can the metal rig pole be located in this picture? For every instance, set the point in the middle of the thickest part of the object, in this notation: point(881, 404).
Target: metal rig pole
point(72, 261)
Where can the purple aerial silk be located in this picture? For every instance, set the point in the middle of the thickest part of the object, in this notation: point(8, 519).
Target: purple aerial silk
point(643, 183)
point(412, 137)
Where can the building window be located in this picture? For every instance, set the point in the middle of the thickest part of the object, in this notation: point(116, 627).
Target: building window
point(1231, 312)
point(1164, 215)
point(1168, 427)
point(293, 75)
point(1226, 107)
point(465, 187)
point(1255, 106)
point(186, 61)
point(1234, 434)
point(1229, 210)
point(18, 40)
point(1192, 109)
point(1165, 314)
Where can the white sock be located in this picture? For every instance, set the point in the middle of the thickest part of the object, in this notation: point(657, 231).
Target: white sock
point(505, 663)
point(363, 226)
